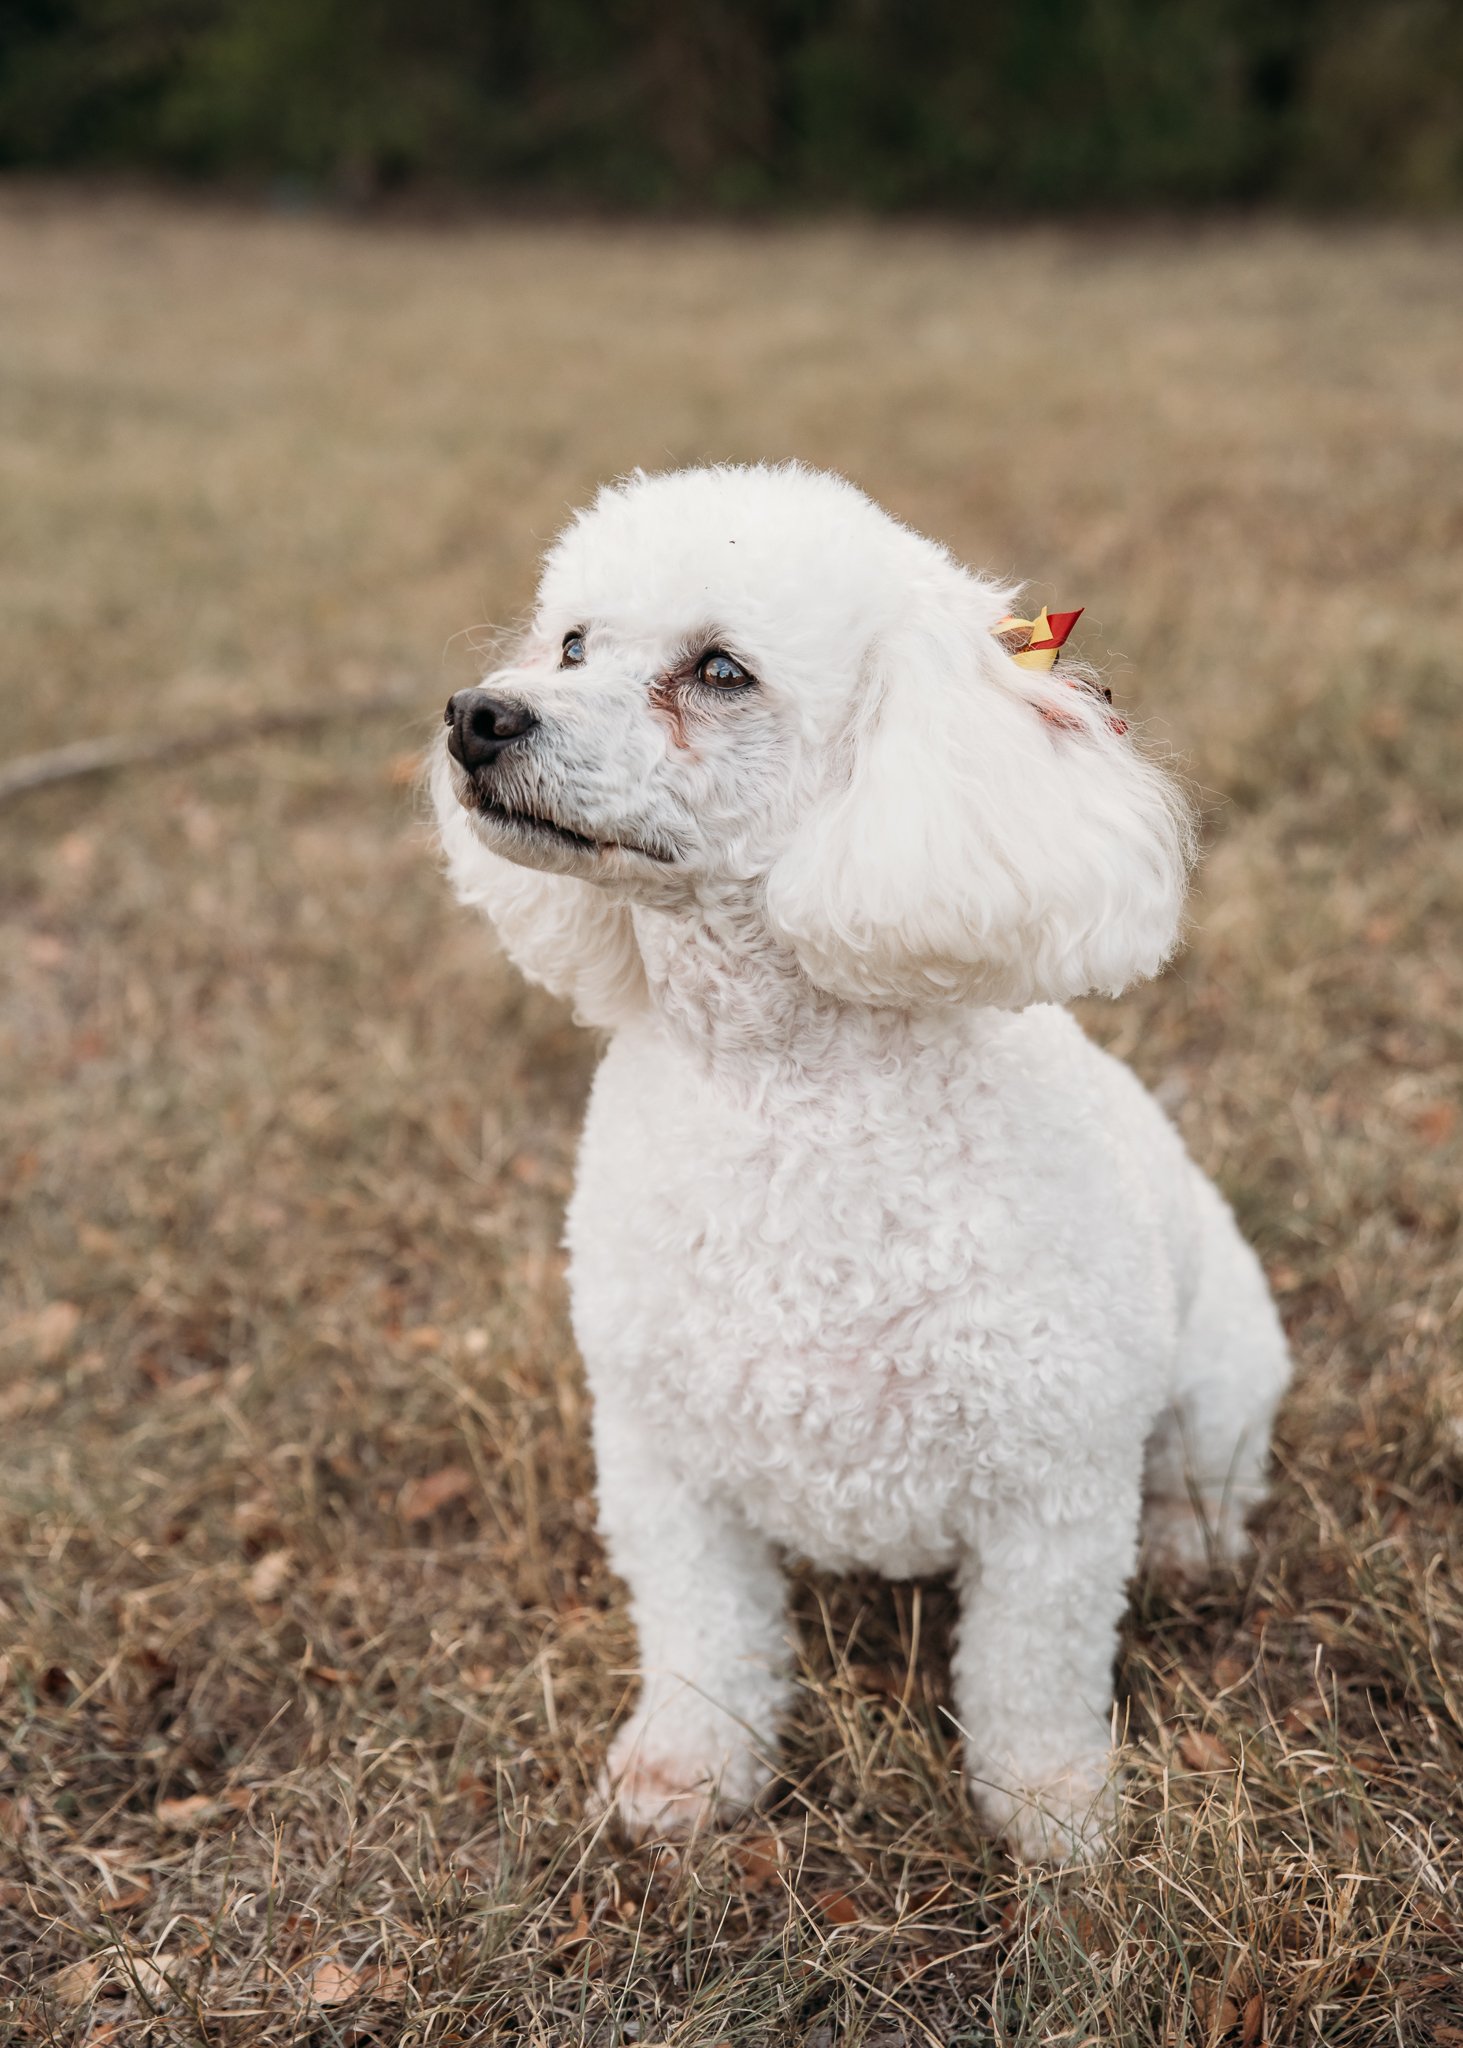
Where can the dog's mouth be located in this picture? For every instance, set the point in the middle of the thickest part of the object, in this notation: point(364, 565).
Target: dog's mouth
point(533, 826)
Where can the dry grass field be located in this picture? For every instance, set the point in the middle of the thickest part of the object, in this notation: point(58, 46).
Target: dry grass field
point(309, 1650)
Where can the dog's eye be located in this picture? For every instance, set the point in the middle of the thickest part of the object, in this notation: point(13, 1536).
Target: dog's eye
point(572, 652)
point(718, 668)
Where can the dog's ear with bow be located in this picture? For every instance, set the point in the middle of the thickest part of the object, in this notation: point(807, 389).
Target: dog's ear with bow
point(990, 835)
point(565, 934)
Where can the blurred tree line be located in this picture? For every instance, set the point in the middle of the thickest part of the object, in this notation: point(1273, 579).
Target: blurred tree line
point(1003, 105)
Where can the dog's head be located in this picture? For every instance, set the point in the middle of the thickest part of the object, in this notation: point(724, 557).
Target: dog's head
point(753, 687)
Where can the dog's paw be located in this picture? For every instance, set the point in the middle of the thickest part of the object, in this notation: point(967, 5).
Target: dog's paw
point(657, 1794)
point(1065, 1819)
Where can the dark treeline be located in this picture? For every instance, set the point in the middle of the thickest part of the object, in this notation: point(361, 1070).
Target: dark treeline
point(990, 105)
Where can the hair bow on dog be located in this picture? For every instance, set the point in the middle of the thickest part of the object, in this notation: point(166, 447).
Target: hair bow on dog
point(1036, 643)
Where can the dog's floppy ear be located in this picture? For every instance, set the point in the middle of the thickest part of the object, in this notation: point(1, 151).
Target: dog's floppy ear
point(565, 934)
point(990, 836)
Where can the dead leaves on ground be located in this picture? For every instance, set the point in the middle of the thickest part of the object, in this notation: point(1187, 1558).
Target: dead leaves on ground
point(1223, 2016)
point(74, 1985)
point(333, 1982)
point(1201, 1751)
point(760, 1862)
point(163, 1976)
point(269, 1575)
point(254, 1147)
point(136, 1893)
point(43, 1332)
point(31, 1345)
point(837, 1908)
point(196, 1810)
point(420, 1499)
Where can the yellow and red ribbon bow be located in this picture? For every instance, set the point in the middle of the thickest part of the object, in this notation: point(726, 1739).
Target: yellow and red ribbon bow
point(1036, 643)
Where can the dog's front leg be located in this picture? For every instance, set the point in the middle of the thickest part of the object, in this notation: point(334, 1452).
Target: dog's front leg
point(1041, 1600)
point(708, 1602)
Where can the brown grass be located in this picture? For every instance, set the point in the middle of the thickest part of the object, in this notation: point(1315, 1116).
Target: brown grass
point(310, 1651)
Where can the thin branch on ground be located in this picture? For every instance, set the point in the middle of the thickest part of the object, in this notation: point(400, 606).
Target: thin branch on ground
point(131, 750)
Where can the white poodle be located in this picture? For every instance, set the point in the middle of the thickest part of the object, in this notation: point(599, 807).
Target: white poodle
point(875, 1258)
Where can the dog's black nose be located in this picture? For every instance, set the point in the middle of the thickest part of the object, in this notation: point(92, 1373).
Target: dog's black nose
point(480, 726)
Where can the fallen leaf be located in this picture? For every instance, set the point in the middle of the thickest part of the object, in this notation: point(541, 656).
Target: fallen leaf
point(1295, 1935)
point(136, 1894)
point(837, 1908)
point(331, 1983)
point(1437, 1917)
point(329, 1674)
point(421, 1498)
point(1385, 722)
point(23, 1399)
point(1252, 2027)
point(150, 1975)
point(1229, 1670)
point(579, 1932)
point(75, 1984)
point(191, 1385)
point(74, 852)
point(257, 1521)
point(1436, 1124)
point(474, 1791)
point(759, 1861)
point(883, 1681)
point(480, 1677)
point(267, 1578)
point(1092, 1937)
point(183, 1815)
point(160, 1670)
point(47, 1330)
point(1215, 2010)
point(202, 827)
point(1203, 1752)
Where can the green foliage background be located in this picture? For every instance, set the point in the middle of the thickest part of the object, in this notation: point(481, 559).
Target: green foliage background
point(1010, 105)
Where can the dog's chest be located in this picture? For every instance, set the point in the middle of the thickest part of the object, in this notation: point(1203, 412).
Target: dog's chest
point(841, 1305)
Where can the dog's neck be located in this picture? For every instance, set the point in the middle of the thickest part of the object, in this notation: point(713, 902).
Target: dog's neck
point(722, 984)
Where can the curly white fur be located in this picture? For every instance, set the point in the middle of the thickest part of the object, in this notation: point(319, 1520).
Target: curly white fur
point(874, 1257)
